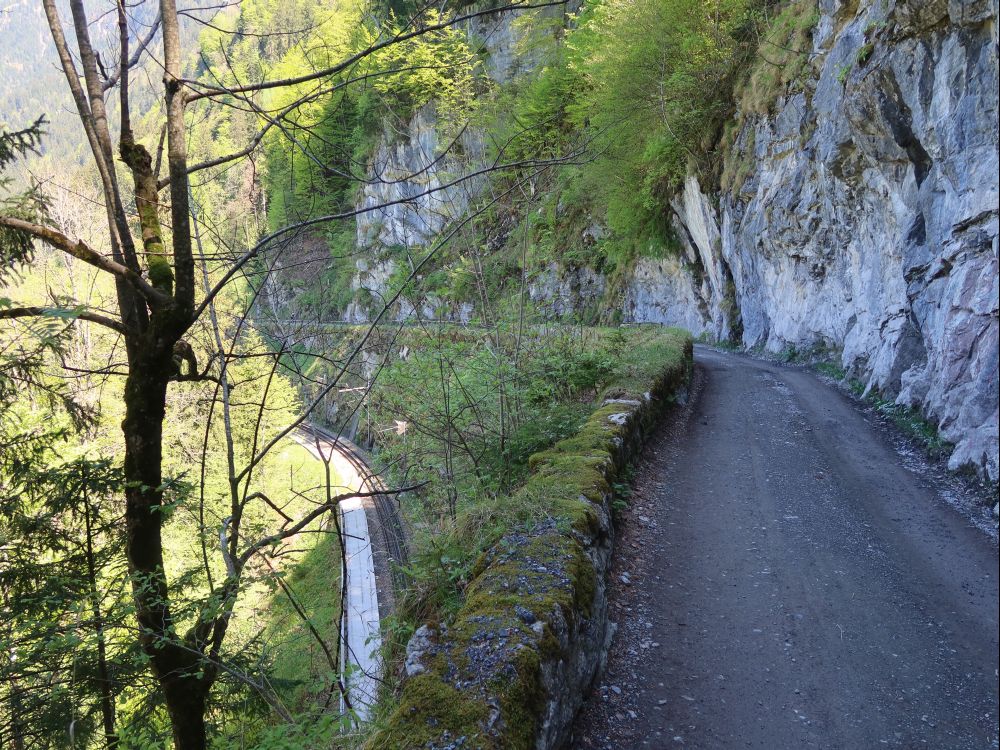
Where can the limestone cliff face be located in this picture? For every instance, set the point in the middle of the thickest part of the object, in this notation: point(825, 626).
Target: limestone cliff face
point(420, 179)
point(417, 183)
point(869, 218)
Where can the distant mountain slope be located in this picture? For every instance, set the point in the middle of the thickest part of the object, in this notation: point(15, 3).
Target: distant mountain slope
point(32, 83)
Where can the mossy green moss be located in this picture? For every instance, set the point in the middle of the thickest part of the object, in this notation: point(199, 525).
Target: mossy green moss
point(532, 594)
point(433, 710)
point(161, 275)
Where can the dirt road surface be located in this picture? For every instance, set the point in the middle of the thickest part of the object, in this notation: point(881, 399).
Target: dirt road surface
point(785, 578)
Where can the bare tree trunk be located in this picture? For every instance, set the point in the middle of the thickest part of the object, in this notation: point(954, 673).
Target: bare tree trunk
point(183, 677)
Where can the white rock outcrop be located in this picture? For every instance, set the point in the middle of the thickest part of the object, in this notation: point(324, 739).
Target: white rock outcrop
point(869, 219)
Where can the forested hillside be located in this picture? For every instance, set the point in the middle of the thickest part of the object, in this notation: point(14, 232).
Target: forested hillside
point(230, 233)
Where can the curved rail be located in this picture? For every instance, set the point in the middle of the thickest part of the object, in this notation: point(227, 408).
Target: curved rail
point(386, 511)
point(335, 324)
point(360, 620)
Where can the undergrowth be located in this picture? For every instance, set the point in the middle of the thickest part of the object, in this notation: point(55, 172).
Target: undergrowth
point(907, 419)
point(507, 567)
point(472, 502)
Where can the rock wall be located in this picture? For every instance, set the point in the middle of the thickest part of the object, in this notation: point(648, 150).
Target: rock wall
point(417, 184)
point(420, 179)
point(868, 221)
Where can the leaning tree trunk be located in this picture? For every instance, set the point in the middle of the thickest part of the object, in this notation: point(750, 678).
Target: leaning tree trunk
point(176, 664)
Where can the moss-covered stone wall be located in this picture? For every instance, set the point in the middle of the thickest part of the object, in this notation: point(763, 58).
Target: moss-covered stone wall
point(512, 667)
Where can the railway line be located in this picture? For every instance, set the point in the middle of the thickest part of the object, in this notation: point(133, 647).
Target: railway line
point(347, 324)
point(390, 525)
point(374, 549)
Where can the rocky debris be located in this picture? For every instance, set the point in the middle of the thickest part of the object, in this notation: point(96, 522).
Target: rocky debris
point(526, 615)
point(606, 722)
point(420, 645)
point(624, 401)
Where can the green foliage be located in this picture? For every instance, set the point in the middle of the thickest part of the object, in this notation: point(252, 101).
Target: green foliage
point(16, 143)
point(61, 582)
point(66, 585)
point(783, 60)
point(533, 561)
point(17, 246)
point(843, 72)
point(438, 66)
point(75, 422)
point(645, 87)
point(912, 423)
point(831, 370)
point(312, 174)
point(476, 413)
point(658, 76)
point(529, 117)
point(323, 148)
point(315, 730)
point(300, 667)
point(474, 422)
point(865, 53)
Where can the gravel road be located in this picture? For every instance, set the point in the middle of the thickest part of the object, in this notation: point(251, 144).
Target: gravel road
point(786, 578)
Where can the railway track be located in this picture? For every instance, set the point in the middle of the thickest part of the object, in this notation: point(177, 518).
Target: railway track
point(386, 511)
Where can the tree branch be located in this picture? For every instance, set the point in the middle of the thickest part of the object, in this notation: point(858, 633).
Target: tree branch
point(312, 516)
point(39, 312)
point(81, 251)
point(134, 59)
point(180, 207)
point(210, 91)
point(264, 242)
point(283, 114)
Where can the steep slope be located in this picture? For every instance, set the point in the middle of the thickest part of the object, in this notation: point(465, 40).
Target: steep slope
point(848, 201)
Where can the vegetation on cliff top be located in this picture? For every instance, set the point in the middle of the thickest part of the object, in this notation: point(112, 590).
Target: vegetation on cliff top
point(633, 94)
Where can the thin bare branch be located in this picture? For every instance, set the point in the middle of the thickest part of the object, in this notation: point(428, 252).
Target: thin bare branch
point(211, 91)
point(81, 251)
point(134, 59)
point(312, 515)
point(90, 317)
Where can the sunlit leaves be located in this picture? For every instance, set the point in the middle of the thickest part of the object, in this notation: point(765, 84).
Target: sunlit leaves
point(16, 245)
